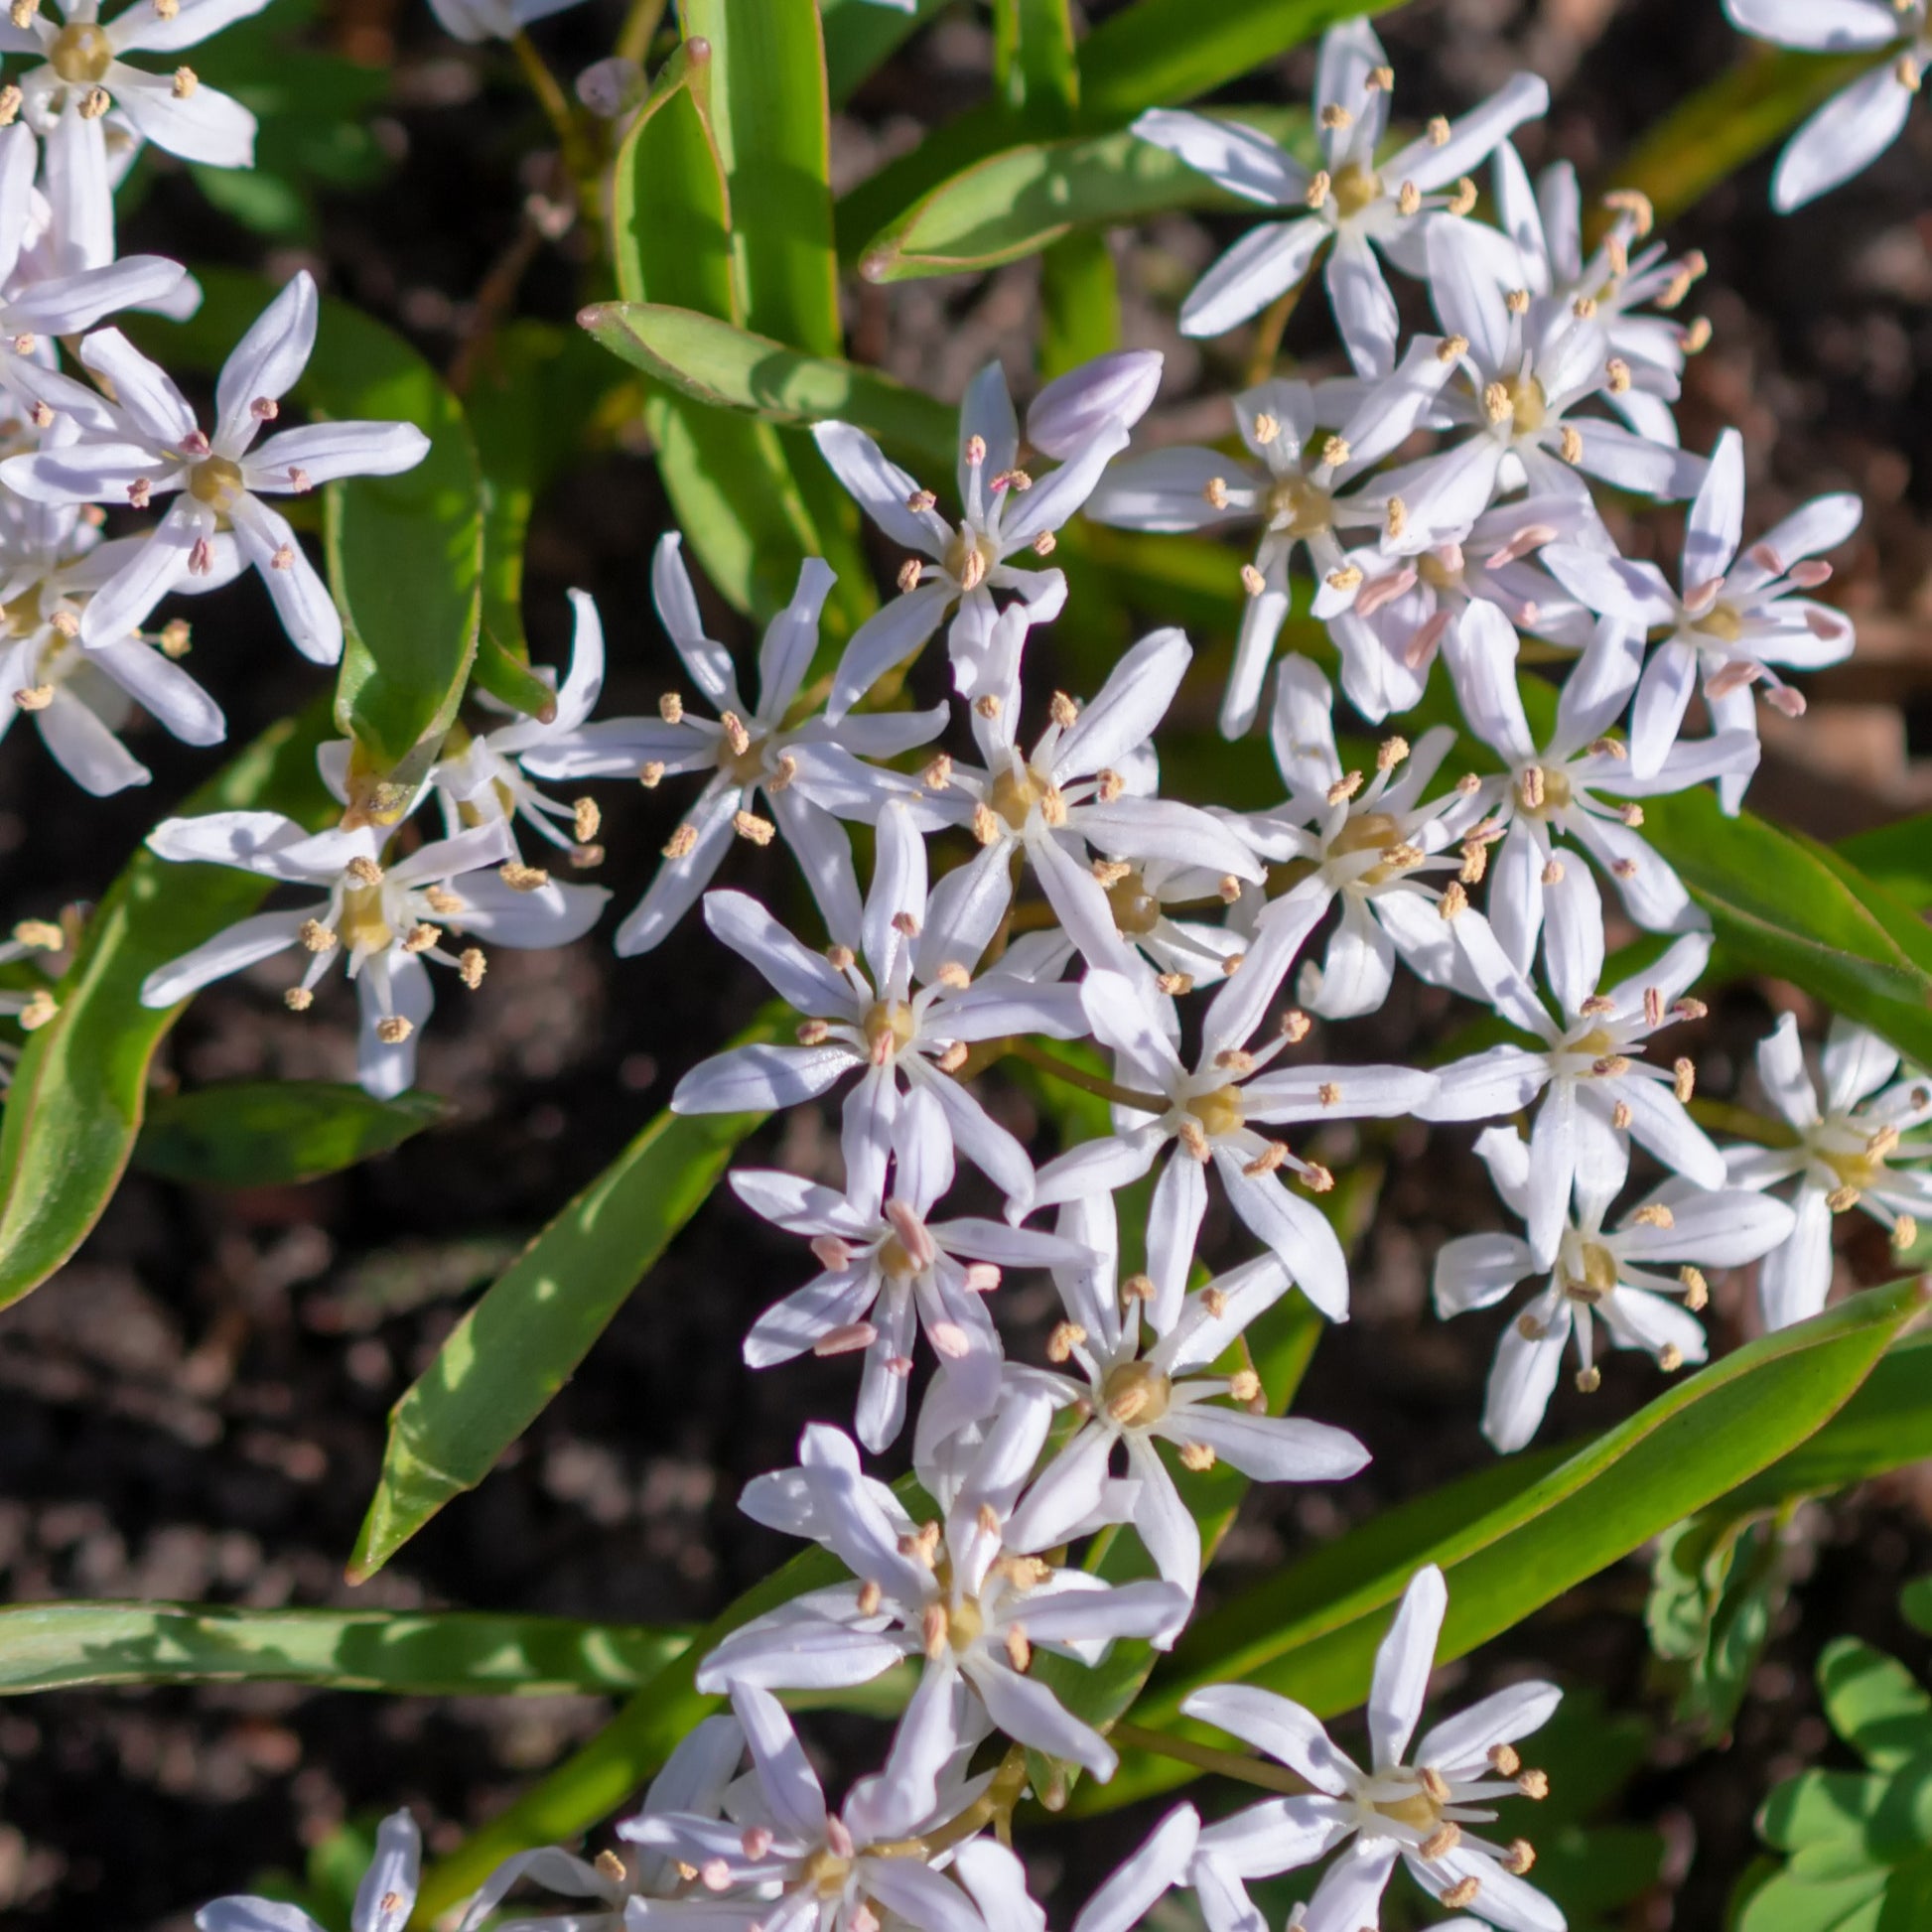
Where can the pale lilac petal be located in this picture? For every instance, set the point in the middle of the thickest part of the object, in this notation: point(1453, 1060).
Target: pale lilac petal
point(1522, 1381)
point(1275, 1724)
point(231, 950)
point(1403, 1662)
point(1843, 138)
point(1477, 1271)
point(1795, 1278)
point(760, 1079)
point(1232, 155)
point(1266, 262)
point(1715, 524)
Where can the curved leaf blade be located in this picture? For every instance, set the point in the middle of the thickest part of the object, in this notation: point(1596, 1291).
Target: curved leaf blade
point(81, 1090)
point(274, 1133)
point(444, 1653)
point(522, 1343)
point(724, 367)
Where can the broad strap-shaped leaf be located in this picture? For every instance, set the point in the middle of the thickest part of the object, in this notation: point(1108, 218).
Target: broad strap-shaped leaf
point(274, 1133)
point(1033, 61)
point(730, 482)
point(81, 1089)
point(532, 392)
point(1797, 908)
point(441, 1653)
point(1016, 202)
point(1897, 856)
point(1165, 51)
point(861, 36)
point(523, 1342)
point(1874, 1704)
point(1311, 1631)
point(725, 367)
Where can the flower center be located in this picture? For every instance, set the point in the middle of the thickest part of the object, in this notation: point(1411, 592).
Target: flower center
point(826, 1872)
point(1016, 793)
point(1134, 1395)
point(1436, 574)
point(1136, 910)
point(1597, 1043)
point(969, 557)
point(894, 1260)
point(1598, 1276)
point(966, 1624)
point(81, 54)
point(364, 925)
point(1300, 507)
point(1557, 794)
point(1528, 402)
point(1857, 1170)
point(1421, 1811)
point(741, 768)
point(1219, 1112)
point(1365, 832)
point(1354, 188)
point(888, 1025)
point(1722, 623)
point(217, 482)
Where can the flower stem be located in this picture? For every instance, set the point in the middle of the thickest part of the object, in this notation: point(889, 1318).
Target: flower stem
point(1269, 331)
point(1074, 1076)
point(580, 156)
point(640, 29)
point(1205, 1757)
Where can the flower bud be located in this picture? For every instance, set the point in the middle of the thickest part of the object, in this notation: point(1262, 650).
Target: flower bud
point(1076, 407)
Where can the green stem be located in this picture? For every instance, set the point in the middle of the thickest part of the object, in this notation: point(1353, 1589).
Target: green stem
point(1729, 1118)
point(1270, 331)
point(1074, 1076)
point(1205, 1757)
point(640, 29)
point(579, 152)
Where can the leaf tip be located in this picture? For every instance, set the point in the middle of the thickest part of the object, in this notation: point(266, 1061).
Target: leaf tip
point(595, 316)
point(877, 264)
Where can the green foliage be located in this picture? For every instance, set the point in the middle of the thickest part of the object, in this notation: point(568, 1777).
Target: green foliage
point(509, 1355)
point(273, 1132)
point(1716, 1583)
point(729, 368)
point(1165, 52)
point(1859, 1844)
point(529, 402)
point(442, 1654)
point(1023, 199)
point(81, 1090)
point(313, 111)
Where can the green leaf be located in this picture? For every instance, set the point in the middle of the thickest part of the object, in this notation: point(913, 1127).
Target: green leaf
point(1166, 50)
point(1796, 908)
point(1915, 1604)
point(78, 1093)
point(272, 1133)
point(1886, 1424)
point(770, 116)
point(1017, 201)
point(446, 1653)
point(1874, 1703)
point(1706, 138)
point(724, 367)
point(1079, 300)
point(1033, 63)
point(1311, 1631)
point(737, 498)
point(530, 397)
point(1716, 1583)
point(861, 36)
point(1898, 856)
point(522, 1343)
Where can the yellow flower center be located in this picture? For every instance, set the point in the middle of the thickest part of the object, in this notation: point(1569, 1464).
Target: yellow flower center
point(1599, 1278)
point(1436, 574)
point(1857, 1170)
point(81, 54)
point(1557, 794)
point(966, 1624)
point(1136, 910)
point(887, 1023)
point(1529, 405)
point(826, 1872)
point(894, 1262)
point(1016, 793)
point(363, 923)
point(217, 482)
point(969, 557)
point(1597, 1043)
point(1219, 1112)
point(1722, 623)
point(1134, 1395)
point(1421, 1811)
point(1354, 188)
point(1299, 509)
